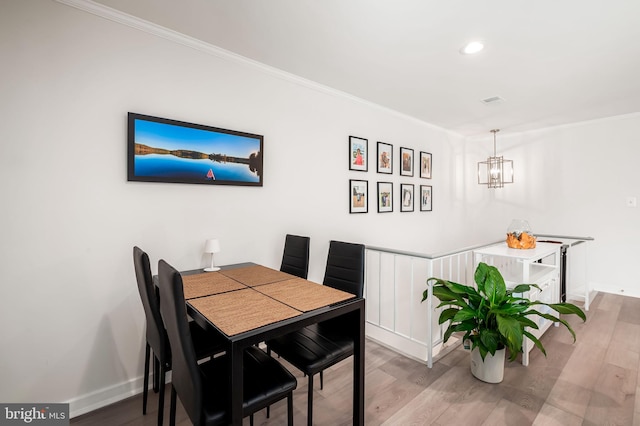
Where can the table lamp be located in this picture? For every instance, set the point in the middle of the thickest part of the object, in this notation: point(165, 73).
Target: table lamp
point(212, 246)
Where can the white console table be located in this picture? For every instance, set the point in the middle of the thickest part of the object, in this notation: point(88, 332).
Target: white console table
point(540, 265)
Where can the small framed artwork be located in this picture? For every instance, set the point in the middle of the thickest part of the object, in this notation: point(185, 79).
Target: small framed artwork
point(358, 196)
point(358, 150)
point(425, 165)
point(426, 196)
point(406, 200)
point(406, 162)
point(385, 158)
point(385, 197)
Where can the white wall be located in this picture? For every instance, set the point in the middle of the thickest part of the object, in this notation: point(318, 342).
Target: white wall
point(571, 180)
point(73, 324)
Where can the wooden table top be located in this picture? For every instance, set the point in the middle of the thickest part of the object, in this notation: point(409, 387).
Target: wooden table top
point(208, 283)
point(255, 275)
point(242, 310)
point(242, 299)
point(304, 295)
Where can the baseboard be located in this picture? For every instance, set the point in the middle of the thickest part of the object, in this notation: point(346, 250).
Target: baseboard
point(405, 346)
point(101, 398)
point(401, 344)
point(626, 291)
point(84, 404)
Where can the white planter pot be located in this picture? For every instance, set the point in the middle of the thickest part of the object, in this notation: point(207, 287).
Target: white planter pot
point(491, 370)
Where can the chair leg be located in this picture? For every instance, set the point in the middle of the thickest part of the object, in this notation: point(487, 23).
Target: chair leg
point(310, 402)
point(156, 373)
point(172, 410)
point(321, 380)
point(251, 420)
point(268, 406)
point(161, 396)
point(145, 386)
point(290, 409)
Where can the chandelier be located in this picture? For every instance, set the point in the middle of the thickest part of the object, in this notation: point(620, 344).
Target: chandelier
point(496, 171)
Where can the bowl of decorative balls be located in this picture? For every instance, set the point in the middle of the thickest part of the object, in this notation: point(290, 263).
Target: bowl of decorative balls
point(519, 235)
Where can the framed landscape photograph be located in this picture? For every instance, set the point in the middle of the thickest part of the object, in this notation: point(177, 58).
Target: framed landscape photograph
point(358, 196)
point(385, 197)
point(426, 197)
point(164, 150)
point(406, 197)
point(385, 158)
point(425, 165)
point(358, 150)
point(406, 162)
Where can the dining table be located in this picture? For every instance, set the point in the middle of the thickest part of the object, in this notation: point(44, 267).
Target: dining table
point(248, 303)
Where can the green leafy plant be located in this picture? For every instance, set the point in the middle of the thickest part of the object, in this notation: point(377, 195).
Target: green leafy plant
point(492, 316)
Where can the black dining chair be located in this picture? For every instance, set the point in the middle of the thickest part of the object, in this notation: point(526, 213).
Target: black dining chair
point(295, 258)
point(295, 261)
point(204, 388)
point(206, 344)
point(319, 346)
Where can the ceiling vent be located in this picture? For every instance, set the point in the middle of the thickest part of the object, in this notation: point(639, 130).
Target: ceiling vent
point(493, 100)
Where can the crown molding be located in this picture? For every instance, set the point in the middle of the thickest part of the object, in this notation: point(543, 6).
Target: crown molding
point(114, 15)
point(575, 124)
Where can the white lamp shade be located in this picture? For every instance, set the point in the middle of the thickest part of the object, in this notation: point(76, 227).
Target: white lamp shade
point(212, 246)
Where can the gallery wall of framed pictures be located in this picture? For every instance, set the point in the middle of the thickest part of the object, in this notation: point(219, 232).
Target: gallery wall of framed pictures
point(411, 193)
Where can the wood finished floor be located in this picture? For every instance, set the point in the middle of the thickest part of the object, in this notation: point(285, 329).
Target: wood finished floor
point(591, 382)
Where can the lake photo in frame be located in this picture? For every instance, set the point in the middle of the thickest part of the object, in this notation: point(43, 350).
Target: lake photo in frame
point(163, 150)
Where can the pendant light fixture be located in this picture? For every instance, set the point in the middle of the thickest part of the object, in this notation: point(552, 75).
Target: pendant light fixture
point(496, 171)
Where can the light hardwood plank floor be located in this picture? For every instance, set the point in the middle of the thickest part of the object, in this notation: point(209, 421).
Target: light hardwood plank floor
point(591, 382)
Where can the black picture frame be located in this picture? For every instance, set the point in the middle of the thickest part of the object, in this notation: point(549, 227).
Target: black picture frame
point(358, 196)
point(426, 198)
point(172, 151)
point(406, 161)
point(407, 197)
point(385, 197)
point(384, 155)
point(426, 165)
point(358, 154)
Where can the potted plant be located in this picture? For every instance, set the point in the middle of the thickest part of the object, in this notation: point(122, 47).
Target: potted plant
point(493, 318)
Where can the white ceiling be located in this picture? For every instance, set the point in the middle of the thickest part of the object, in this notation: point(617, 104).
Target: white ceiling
point(553, 61)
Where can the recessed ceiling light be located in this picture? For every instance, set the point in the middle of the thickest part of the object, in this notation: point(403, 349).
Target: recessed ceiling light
point(472, 47)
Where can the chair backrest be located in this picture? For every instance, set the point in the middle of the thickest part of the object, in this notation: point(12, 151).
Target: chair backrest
point(156, 335)
point(185, 378)
point(295, 259)
point(345, 267)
